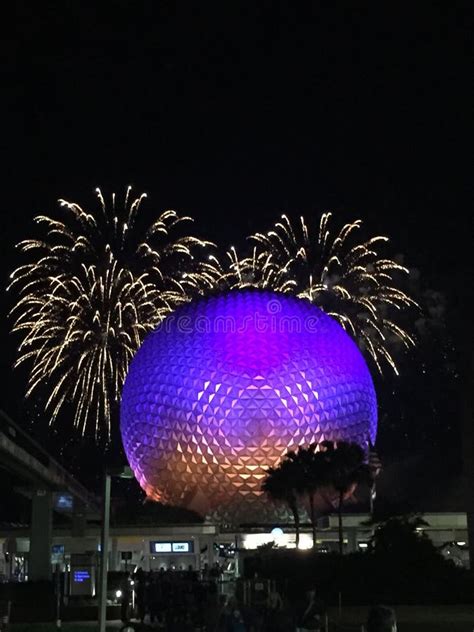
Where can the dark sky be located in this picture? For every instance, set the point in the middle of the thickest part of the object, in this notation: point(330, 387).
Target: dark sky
point(235, 114)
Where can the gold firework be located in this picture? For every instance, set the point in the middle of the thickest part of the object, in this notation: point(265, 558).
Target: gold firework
point(352, 283)
point(233, 273)
point(95, 285)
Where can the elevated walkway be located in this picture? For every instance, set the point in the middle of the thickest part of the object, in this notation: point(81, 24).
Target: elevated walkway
point(22, 455)
point(50, 487)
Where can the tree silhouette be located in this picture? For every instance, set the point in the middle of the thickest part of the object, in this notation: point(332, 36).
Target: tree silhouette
point(313, 467)
point(403, 537)
point(282, 484)
point(346, 467)
point(318, 469)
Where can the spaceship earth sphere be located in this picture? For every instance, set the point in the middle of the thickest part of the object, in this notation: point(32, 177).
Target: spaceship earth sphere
point(226, 385)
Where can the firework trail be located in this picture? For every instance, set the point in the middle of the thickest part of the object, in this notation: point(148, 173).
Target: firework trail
point(234, 272)
point(350, 281)
point(94, 285)
point(346, 278)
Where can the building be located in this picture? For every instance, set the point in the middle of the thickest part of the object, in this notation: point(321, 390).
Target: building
point(195, 545)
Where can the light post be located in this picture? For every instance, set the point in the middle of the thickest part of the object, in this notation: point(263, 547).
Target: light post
point(123, 472)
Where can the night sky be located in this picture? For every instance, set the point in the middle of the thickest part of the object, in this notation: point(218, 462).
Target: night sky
point(239, 113)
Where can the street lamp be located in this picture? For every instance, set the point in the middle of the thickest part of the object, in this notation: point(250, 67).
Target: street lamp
point(122, 472)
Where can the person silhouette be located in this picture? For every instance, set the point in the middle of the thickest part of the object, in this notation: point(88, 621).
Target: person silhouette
point(381, 619)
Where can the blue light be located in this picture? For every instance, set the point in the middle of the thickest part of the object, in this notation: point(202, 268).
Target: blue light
point(81, 576)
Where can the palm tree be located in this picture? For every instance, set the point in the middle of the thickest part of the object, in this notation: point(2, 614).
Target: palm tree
point(282, 484)
point(347, 467)
point(313, 468)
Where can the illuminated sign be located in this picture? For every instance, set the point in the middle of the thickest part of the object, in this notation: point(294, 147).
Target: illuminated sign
point(172, 547)
point(81, 575)
point(63, 502)
point(180, 547)
point(161, 547)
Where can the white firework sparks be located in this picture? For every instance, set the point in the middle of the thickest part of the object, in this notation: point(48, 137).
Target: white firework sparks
point(94, 286)
point(348, 280)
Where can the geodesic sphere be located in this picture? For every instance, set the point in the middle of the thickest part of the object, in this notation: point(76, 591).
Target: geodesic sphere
point(227, 385)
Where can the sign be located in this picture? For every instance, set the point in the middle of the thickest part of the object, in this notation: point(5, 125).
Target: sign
point(161, 547)
point(80, 576)
point(180, 547)
point(63, 502)
point(172, 547)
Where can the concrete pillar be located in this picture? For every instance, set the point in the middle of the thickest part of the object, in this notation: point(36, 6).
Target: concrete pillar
point(78, 519)
point(465, 346)
point(41, 536)
point(351, 539)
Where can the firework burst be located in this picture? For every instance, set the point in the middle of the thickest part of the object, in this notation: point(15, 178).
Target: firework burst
point(94, 285)
point(234, 272)
point(347, 279)
point(97, 283)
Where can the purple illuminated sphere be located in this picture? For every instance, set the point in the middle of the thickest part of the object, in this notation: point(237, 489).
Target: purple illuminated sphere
point(226, 385)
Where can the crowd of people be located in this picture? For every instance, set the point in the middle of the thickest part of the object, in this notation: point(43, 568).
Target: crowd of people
point(183, 601)
point(169, 600)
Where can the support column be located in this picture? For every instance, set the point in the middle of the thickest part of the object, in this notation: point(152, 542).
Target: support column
point(351, 539)
point(104, 553)
point(114, 557)
point(461, 325)
point(41, 536)
point(78, 519)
